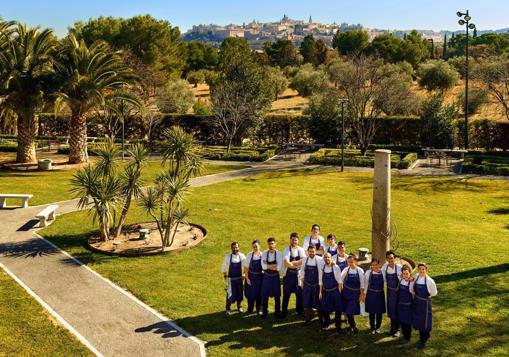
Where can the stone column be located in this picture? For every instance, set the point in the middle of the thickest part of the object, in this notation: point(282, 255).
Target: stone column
point(381, 210)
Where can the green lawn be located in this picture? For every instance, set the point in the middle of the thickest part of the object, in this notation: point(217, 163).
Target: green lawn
point(53, 186)
point(460, 227)
point(27, 330)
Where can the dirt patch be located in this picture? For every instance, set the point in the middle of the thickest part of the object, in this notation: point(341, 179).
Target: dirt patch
point(129, 244)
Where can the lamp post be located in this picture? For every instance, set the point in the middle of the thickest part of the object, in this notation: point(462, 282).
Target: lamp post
point(465, 20)
point(342, 101)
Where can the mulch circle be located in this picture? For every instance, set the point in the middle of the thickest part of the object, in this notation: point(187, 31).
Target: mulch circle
point(129, 243)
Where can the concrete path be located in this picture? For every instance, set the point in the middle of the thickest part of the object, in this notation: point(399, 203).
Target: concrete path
point(109, 320)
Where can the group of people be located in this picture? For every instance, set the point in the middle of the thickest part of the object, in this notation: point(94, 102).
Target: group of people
point(327, 280)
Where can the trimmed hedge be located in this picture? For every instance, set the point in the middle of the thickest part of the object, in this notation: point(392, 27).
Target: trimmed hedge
point(237, 153)
point(486, 163)
point(353, 158)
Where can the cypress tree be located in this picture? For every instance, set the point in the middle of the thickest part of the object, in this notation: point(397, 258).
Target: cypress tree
point(444, 53)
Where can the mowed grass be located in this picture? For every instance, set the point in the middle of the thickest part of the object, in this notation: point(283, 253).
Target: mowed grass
point(53, 186)
point(460, 227)
point(27, 330)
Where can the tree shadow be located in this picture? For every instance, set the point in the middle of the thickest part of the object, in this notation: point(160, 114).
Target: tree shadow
point(472, 273)
point(499, 211)
point(32, 248)
point(163, 328)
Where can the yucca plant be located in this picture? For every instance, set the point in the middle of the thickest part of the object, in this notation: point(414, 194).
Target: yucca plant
point(164, 202)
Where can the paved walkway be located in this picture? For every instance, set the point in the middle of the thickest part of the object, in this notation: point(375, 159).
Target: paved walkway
point(109, 320)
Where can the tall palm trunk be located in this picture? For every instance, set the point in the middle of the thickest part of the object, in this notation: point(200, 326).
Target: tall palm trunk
point(27, 131)
point(78, 140)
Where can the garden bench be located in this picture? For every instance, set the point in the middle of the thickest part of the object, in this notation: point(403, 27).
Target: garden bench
point(46, 214)
point(23, 197)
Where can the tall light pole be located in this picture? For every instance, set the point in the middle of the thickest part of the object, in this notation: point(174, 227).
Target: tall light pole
point(465, 20)
point(342, 101)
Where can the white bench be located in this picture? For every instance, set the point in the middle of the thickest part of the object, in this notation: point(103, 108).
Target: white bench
point(23, 197)
point(46, 214)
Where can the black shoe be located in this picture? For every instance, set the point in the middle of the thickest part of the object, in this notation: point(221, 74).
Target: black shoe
point(307, 323)
point(402, 342)
point(263, 316)
point(278, 315)
point(421, 345)
point(340, 330)
point(283, 315)
point(249, 312)
point(355, 330)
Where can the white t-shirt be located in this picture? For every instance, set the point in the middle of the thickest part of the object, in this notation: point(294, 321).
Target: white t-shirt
point(294, 252)
point(236, 258)
point(314, 241)
point(265, 259)
point(430, 283)
point(328, 269)
point(315, 261)
point(249, 257)
point(338, 259)
point(387, 269)
point(357, 271)
point(368, 274)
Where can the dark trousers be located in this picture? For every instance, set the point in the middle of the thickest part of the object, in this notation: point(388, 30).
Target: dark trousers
point(372, 318)
point(407, 331)
point(424, 336)
point(277, 305)
point(252, 303)
point(309, 314)
point(229, 304)
point(298, 303)
point(394, 326)
point(351, 320)
point(337, 319)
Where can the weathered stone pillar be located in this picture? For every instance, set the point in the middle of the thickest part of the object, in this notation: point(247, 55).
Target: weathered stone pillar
point(381, 210)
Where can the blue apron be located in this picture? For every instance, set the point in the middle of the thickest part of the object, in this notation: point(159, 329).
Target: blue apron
point(421, 312)
point(235, 276)
point(311, 291)
point(331, 297)
point(404, 304)
point(342, 265)
point(291, 278)
point(332, 252)
point(375, 297)
point(351, 294)
point(392, 293)
point(254, 290)
point(271, 285)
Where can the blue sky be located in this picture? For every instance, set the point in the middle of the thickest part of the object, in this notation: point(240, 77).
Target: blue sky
point(387, 14)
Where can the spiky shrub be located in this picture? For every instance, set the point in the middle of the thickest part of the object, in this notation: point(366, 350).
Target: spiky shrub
point(164, 201)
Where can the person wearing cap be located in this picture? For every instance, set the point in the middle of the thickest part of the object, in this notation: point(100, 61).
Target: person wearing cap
point(315, 239)
point(310, 278)
point(341, 259)
point(423, 288)
point(254, 274)
point(292, 261)
point(352, 288)
point(272, 263)
point(392, 274)
point(233, 276)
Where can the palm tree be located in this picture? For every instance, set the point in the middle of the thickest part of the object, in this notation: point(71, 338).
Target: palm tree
point(90, 76)
point(26, 65)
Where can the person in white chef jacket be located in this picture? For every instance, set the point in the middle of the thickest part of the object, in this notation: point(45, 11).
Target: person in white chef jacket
point(352, 289)
point(233, 274)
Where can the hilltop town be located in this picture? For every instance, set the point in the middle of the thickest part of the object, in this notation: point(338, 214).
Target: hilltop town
point(257, 33)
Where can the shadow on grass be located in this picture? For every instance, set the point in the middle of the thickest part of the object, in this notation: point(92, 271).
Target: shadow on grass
point(499, 211)
point(472, 273)
point(32, 248)
point(162, 328)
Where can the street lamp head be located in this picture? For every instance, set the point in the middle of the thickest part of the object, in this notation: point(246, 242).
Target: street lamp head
point(471, 26)
point(459, 13)
point(461, 22)
point(467, 18)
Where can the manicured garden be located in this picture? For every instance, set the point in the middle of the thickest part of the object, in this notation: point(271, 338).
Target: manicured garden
point(353, 157)
point(52, 186)
point(456, 225)
point(26, 329)
point(486, 163)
